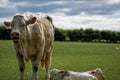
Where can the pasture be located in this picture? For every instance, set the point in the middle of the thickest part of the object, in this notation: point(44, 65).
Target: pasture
point(74, 56)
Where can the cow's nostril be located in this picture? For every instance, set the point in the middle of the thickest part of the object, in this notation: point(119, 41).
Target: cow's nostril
point(17, 34)
point(14, 34)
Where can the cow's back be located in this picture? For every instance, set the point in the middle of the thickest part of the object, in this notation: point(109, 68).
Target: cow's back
point(48, 38)
point(41, 34)
point(48, 34)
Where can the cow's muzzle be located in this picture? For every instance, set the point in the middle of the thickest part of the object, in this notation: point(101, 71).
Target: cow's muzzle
point(15, 37)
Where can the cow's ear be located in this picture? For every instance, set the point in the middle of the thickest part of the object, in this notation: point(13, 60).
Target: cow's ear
point(31, 21)
point(49, 18)
point(93, 72)
point(7, 25)
point(62, 72)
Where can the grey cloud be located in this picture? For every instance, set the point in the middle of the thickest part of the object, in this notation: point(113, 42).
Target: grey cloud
point(6, 12)
point(99, 7)
point(67, 7)
point(94, 7)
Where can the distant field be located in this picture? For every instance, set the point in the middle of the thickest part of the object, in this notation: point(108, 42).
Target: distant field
point(74, 56)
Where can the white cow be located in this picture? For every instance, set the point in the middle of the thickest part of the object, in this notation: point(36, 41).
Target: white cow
point(33, 36)
point(71, 75)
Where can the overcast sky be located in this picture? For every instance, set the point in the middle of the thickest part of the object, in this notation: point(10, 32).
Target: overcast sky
point(68, 14)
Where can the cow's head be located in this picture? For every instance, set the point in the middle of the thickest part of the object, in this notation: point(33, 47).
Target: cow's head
point(19, 26)
point(98, 73)
point(54, 74)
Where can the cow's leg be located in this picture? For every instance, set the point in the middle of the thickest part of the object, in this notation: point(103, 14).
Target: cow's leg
point(35, 64)
point(21, 65)
point(47, 64)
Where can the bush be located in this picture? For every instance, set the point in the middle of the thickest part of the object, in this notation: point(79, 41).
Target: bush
point(4, 33)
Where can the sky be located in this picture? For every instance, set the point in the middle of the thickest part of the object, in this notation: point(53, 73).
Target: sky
point(68, 14)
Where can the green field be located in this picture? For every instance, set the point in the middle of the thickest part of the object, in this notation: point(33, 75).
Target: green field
point(74, 56)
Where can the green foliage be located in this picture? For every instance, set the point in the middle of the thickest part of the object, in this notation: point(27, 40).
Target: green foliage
point(75, 35)
point(73, 56)
point(60, 35)
point(83, 35)
point(4, 33)
point(113, 37)
point(87, 35)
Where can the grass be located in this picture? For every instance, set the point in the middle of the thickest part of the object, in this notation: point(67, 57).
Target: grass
point(74, 56)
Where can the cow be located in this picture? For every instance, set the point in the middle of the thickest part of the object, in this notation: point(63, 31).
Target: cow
point(70, 75)
point(95, 74)
point(33, 36)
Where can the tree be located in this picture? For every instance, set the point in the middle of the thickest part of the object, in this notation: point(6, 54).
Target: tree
point(4, 33)
point(75, 35)
point(88, 35)
point(105, 35)
point(81, 34)
point(113, 37)
point(118, 36)
point(96, 35)
point(60, 35)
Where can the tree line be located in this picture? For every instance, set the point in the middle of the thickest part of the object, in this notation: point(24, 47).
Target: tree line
point(87, 35)
point(4, 33)
point(83, 35)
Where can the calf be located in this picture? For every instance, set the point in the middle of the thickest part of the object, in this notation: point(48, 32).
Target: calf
point(71, 75)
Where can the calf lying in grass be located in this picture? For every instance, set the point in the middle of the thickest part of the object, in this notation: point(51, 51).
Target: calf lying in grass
point(97, 73)
point(71, 75)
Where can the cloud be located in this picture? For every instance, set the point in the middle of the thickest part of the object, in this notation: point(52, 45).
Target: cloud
point(7, 8)
point(51, 3)
point(96, 14)
point(113, 1)
point(62, 10)
point(3, 3)
point(85, 21)
point(68, 7)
